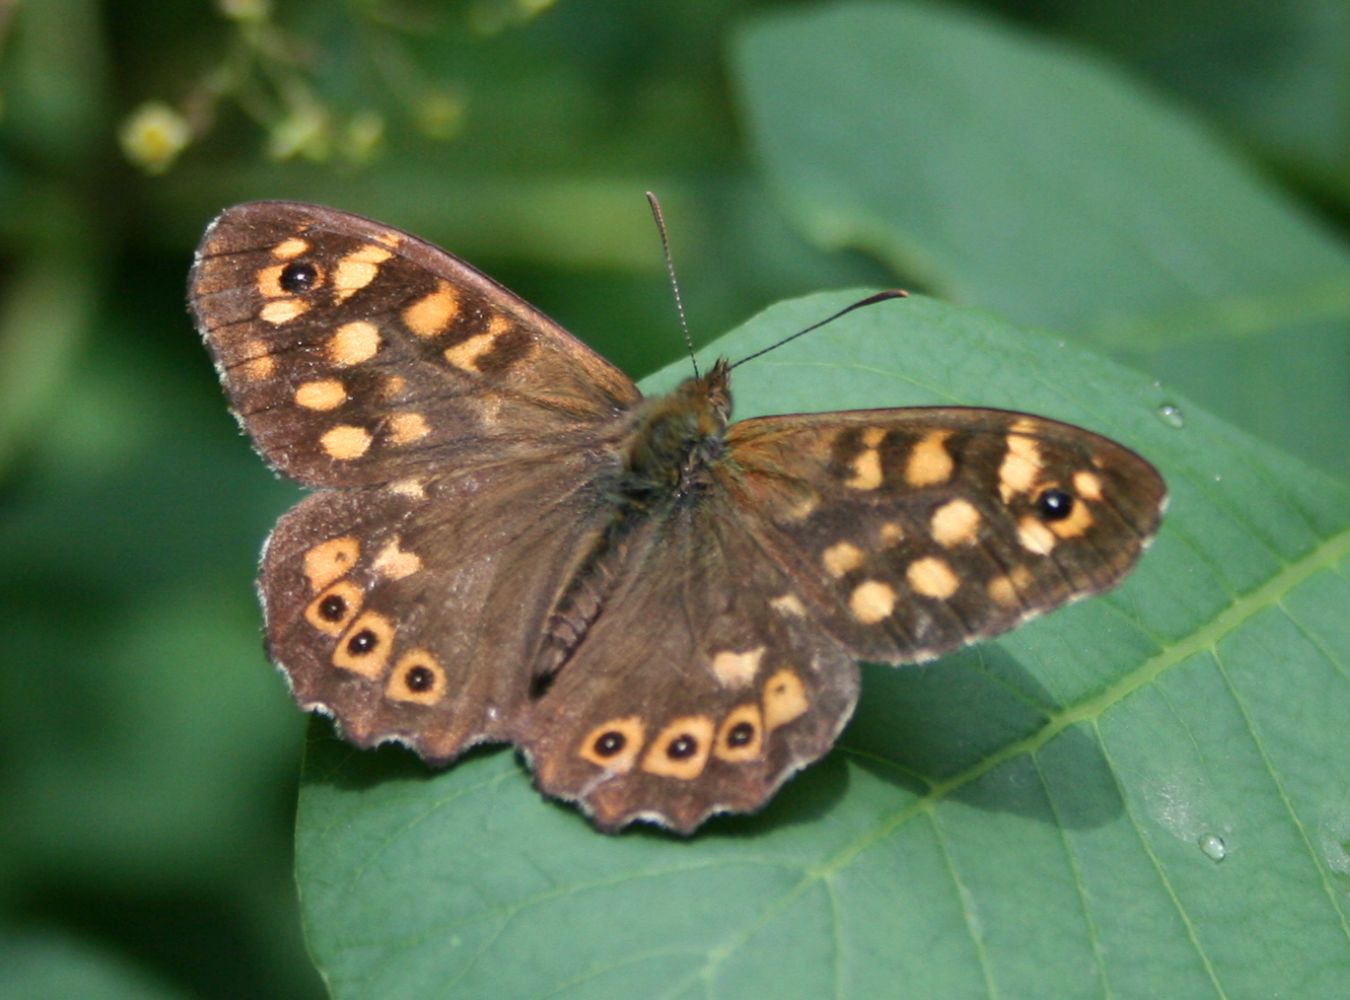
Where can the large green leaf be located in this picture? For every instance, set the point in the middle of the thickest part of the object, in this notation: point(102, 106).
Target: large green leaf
point(1011, 172)
point(1144, 794)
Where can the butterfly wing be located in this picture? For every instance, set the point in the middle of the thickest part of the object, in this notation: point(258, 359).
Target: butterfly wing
point(911, 532)
point(699, 689)
point(354, 353)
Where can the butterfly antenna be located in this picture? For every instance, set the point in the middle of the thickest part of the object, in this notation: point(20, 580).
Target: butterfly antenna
point(670, 270)
point(871, 300)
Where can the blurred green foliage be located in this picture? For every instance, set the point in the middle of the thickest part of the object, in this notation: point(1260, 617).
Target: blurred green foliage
point(149, 756)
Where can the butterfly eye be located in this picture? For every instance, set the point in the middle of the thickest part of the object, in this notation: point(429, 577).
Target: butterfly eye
point(682, 747)
point(609, 743)
point(1054, 505)
point(298, 276)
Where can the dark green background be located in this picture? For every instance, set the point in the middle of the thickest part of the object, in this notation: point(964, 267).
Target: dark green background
point(148, 755)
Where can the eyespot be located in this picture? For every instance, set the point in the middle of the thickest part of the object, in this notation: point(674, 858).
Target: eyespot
point(362, 642)
point(741, 734)
point(609, 743)
point(332, 608)
point(682, 747)
point(1054, 505)
point(419, 678)
point(298, 276)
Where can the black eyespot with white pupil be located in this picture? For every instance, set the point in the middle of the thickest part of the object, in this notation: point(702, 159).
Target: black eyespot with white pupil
point(362, 643)
point(298, 276)
point(682, 747)
point(740, 735)
point(1054, 505)
point(610, 743)
point(419, 678)
point(332, 608)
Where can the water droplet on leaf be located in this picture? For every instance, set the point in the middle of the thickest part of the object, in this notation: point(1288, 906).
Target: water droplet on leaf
point(1171, 415)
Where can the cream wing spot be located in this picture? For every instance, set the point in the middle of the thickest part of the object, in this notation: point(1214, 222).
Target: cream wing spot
point(395, 563)
point(872, 601)
point(466, 353)
point(956, 522)
point(345, 442)
point(929, 462)
point(866, 467)
point(322, 394)
point(614, 745)
point(932, 577)
point(358, 269)
point(291, 248)
point(269, 282)
point(735, 670)
point(331, 560)
point(258, 363)
point(841, 558)
point(788, 604)
point(354, 343)
point(433, 313)
point(1005, 589)
point(1035, 536)
point(785, 699)
point(1088, 485)
point(1021, 466)
point(404, 428)
point(681, 749)
point(410, 488)
point(281, 311)
point(891, 534)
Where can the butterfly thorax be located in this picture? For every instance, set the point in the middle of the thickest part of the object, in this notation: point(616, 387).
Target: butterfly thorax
point(665, 458)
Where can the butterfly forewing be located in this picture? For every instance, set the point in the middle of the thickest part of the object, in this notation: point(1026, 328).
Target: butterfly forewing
point(356, 353)
point(911, 532)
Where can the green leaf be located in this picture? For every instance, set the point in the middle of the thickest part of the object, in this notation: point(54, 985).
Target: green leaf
point(36, 964)
point(1041, 815)
point(1006, 171)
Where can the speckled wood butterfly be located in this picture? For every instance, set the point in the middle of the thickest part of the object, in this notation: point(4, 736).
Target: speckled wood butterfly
point(660, 609)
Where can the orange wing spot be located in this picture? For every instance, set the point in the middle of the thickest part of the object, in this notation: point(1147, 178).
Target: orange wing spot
point(281, 311)
point(269, 282)
point(417, 677)
point(333, 610)
point(891, 534)
point(956, 522)
point(1005, 589)
point(405, 428)
point(929, 462)
point(345, 442)
point(365, 647)
point(614, 745)
point(932, 577)
point(681, 749)
point(323, 394)
point(784, 699)
point(741, 735)
point(353, 343)
point(433, 313)
point(331, 560)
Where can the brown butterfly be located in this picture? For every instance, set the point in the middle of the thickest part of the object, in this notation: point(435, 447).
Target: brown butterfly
point(662, 610)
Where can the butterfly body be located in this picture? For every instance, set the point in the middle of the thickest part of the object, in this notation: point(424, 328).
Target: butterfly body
point(662, 609)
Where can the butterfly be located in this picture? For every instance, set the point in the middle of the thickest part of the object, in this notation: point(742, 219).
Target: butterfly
point(662, 610)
